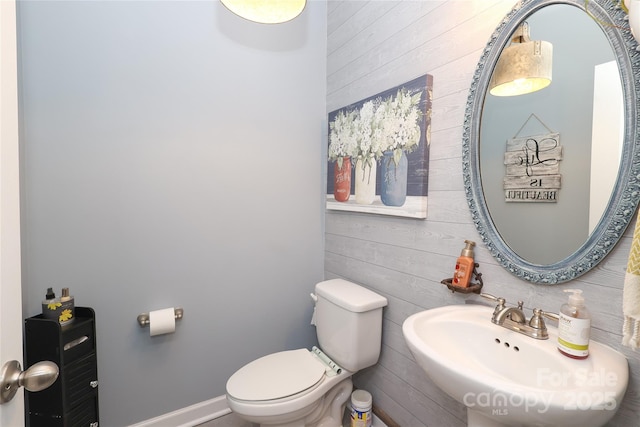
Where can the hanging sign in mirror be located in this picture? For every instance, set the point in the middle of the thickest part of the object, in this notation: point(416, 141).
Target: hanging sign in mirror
point(532, 167)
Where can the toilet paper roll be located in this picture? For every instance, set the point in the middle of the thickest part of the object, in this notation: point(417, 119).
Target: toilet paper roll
point(162, 321)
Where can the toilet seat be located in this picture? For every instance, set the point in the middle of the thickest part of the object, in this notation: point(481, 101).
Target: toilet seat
point(276, 376)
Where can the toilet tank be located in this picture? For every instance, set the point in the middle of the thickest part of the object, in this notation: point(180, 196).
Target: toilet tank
point(348, 320)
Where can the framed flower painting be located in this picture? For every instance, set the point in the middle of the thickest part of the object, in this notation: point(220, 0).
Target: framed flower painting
point(378, 155)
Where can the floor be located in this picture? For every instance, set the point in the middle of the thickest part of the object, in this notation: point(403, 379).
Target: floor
point(232, 420)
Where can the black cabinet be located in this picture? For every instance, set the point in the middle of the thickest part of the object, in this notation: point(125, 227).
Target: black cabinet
point(72, 401)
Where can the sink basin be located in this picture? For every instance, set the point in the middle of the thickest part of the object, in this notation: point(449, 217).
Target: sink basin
point(505, 378)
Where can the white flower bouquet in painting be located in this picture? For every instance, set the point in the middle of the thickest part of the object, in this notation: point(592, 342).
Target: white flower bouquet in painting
point(369, 140)
point(400, 116)
point(400, 119)
point(342, 138)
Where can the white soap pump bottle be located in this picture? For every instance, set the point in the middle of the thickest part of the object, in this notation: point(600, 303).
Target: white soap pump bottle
point(574, 326)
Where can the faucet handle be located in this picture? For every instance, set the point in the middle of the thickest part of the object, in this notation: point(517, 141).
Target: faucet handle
point(549, 315)
point(499, 300)
point(536, 323)
point(536, 320)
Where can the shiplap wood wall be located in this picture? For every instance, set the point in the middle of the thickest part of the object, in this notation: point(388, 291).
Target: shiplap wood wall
point(376, 45)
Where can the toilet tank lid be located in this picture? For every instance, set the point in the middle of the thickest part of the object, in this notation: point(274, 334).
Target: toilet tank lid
point(350, 296)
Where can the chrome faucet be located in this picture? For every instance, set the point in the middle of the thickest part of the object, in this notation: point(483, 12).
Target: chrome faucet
point(514, 314)
point(513, 318)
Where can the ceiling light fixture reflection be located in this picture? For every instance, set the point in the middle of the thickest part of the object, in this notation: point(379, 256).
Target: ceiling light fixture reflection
point(524, 66)
point(266, 11)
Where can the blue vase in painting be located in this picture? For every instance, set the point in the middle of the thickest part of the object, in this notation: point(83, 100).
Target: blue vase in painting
point(393, 183)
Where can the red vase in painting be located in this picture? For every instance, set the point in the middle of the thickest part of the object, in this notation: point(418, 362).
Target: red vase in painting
point(342, 179)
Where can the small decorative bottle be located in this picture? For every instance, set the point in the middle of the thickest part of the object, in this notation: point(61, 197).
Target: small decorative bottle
point(464, 266)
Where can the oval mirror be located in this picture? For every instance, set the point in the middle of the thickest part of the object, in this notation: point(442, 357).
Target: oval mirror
point(550, 176)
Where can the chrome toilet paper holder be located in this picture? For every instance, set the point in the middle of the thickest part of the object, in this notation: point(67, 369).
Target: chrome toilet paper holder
point(143, 319)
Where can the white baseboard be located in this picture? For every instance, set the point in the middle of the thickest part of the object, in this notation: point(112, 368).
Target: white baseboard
point(375, 422)
point(201, 413)
point(191, 415)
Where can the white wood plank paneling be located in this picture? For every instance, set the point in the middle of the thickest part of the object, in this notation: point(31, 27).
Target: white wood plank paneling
point(376, 45)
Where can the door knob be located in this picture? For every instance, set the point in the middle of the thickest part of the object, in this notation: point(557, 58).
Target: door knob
point(36, 378)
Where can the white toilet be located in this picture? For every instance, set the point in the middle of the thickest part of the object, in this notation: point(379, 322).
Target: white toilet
point(303, 387)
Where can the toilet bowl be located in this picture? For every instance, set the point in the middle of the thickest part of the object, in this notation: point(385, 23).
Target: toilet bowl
point(302, 388)
point(289, 388)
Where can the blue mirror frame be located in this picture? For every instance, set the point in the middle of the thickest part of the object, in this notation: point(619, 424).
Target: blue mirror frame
point(624, 199)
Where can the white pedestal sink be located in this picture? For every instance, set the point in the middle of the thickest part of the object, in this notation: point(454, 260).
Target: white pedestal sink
point(505, 378)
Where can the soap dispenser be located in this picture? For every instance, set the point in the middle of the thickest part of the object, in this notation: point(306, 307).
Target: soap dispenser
point(574, 326)
point(464, 266)
point(67, 309)
point(50, 305)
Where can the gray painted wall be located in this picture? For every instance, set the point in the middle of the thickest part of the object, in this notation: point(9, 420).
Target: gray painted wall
point(172, 156)
point(373, 46)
